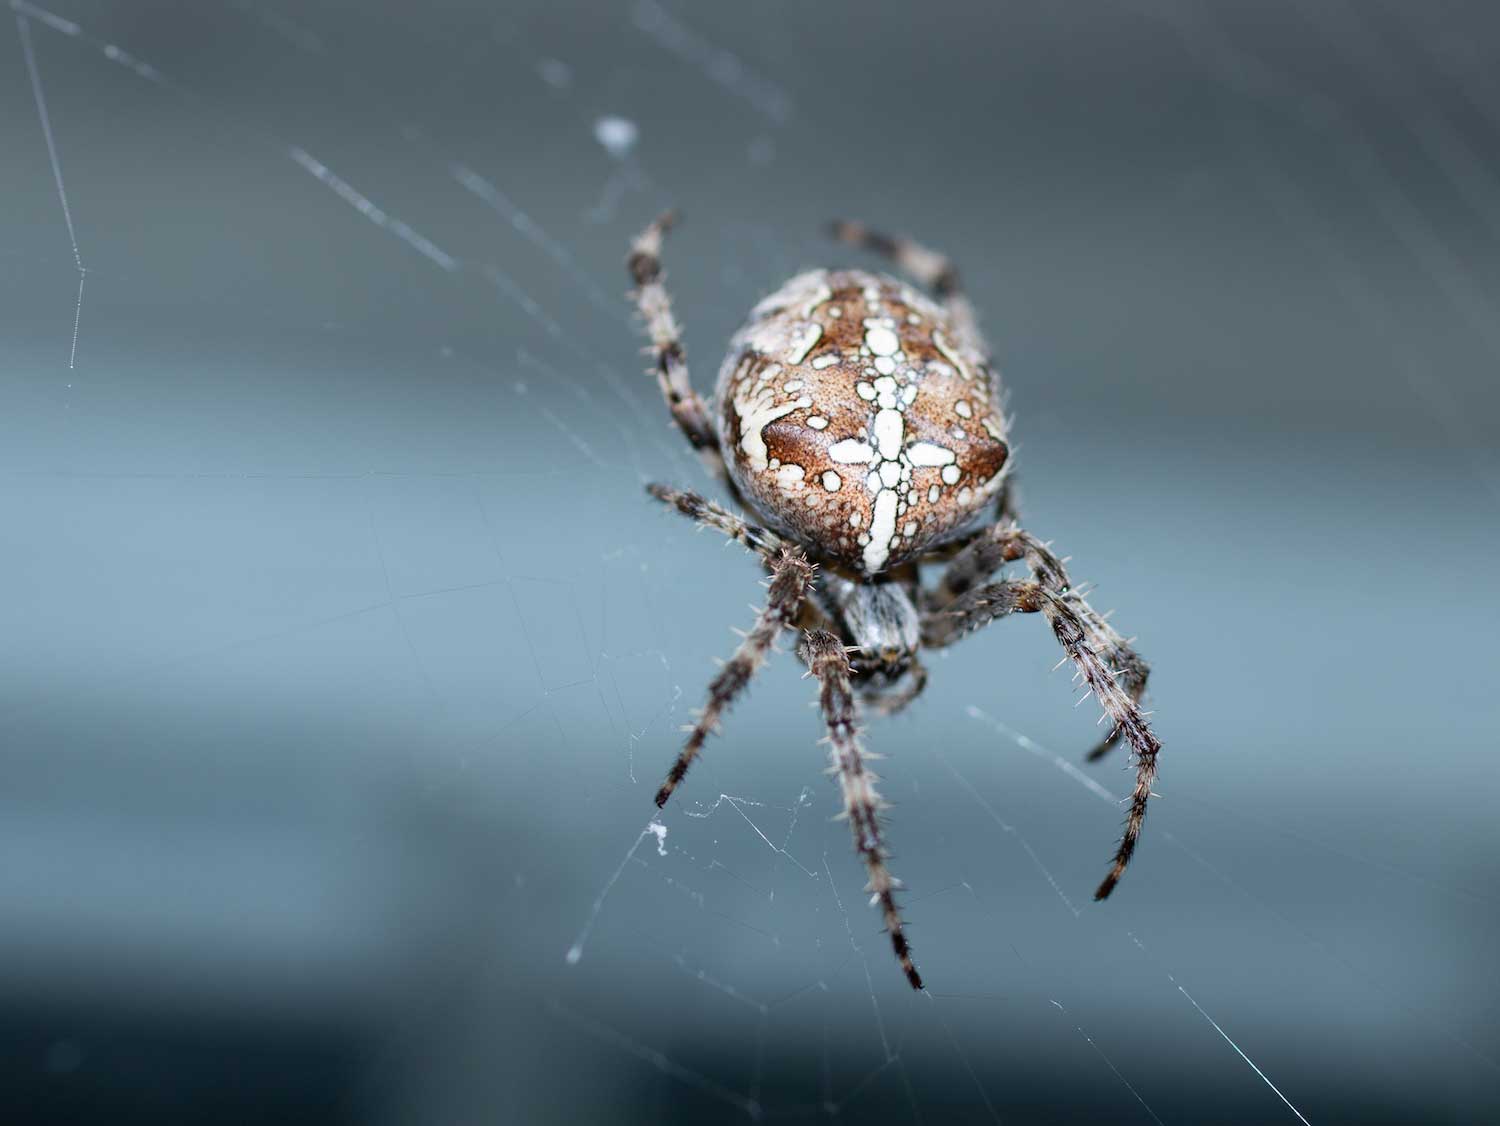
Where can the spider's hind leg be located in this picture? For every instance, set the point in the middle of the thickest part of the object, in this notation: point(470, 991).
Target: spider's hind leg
point(927, 267)
point(655, 307)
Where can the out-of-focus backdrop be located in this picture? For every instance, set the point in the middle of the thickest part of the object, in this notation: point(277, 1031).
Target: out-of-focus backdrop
point(342, 651)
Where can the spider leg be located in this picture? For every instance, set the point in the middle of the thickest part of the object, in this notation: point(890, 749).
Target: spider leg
point(1075, 626)
point(926, 266)
point(984, 555)
point(791, 575)
point(655, 307)
point(1003, 543)
point(764, 542)
point(1131, 673)
point(826, 659)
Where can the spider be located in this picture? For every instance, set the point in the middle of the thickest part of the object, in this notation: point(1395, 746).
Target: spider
point(860, 421)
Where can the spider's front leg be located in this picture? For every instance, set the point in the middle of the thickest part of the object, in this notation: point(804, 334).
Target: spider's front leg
point(655, 307)
point(1075, 625)
point(791, 575)
point(1003, 543)
point(826, 659)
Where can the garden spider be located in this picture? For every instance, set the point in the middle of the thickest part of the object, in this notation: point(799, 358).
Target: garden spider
point(861, 421)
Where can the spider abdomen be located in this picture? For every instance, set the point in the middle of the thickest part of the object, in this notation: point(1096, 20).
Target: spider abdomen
point(857, 417)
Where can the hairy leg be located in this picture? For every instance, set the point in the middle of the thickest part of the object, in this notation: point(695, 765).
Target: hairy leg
point(764, 542)
point(826, 659)
point(1004, 543)
point(985, 554)
point(1072, 623)
point(790, 575)
point(655, 307)
point(927, 267)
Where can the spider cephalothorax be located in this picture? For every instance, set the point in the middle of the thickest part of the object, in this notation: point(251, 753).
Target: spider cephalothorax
point(861, 422)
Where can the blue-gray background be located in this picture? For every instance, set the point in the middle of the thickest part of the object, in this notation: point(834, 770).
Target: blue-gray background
point(342, 651)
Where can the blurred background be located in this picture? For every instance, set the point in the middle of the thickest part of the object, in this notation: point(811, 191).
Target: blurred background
point(343, 652)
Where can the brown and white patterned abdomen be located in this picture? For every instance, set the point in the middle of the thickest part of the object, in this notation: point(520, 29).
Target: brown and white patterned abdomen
point(854, 419)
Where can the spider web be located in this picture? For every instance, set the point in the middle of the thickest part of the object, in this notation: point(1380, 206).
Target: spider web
point(346, 653)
